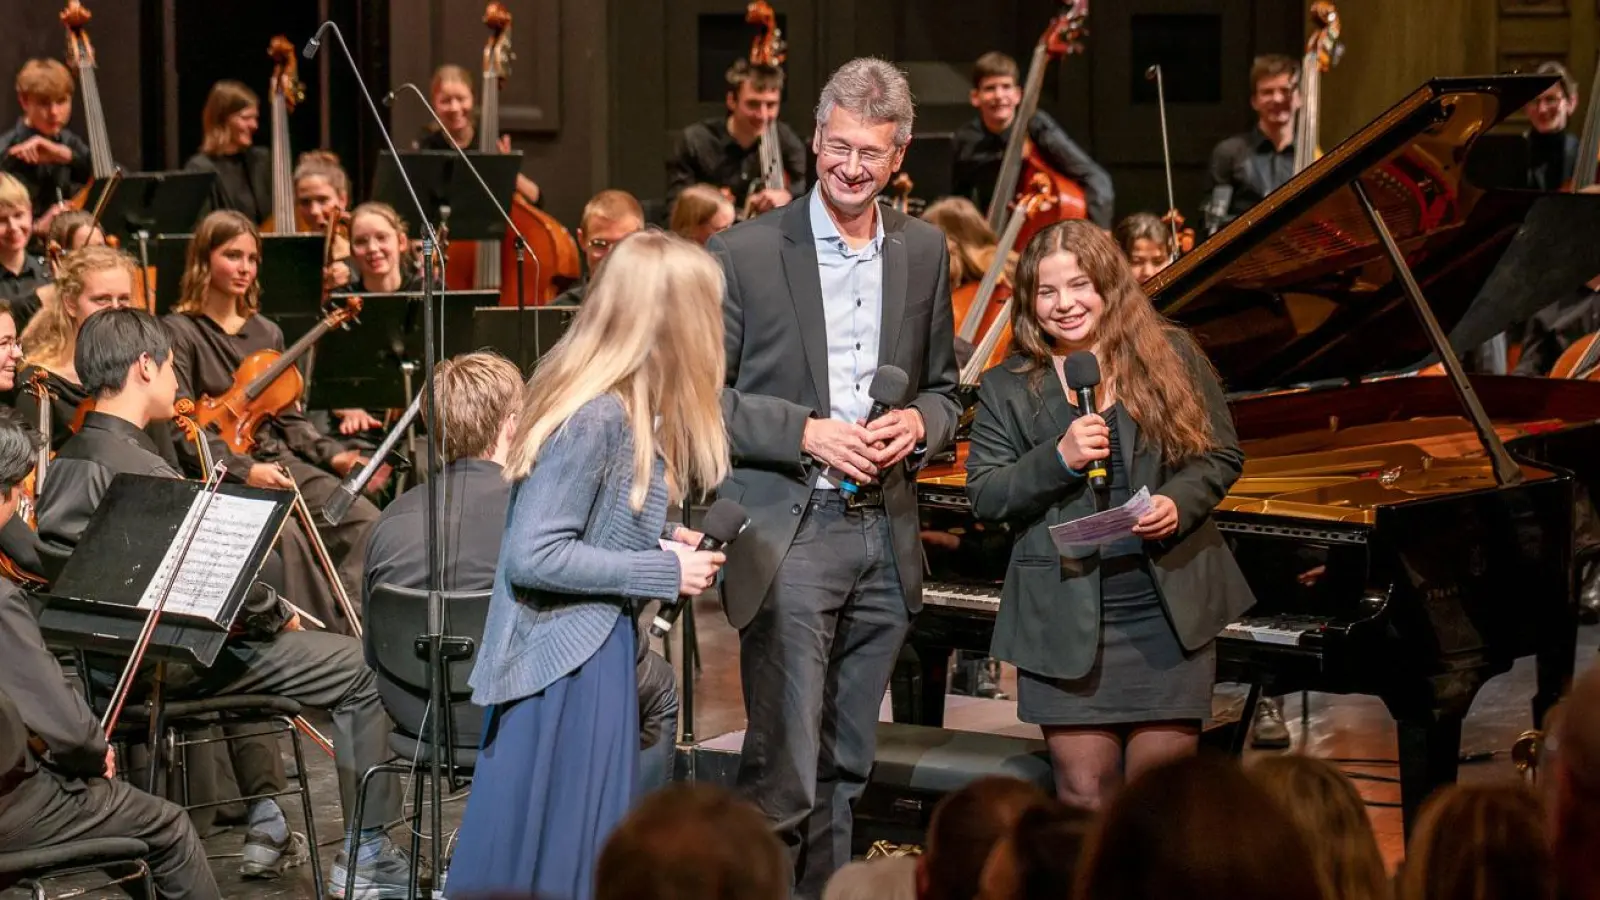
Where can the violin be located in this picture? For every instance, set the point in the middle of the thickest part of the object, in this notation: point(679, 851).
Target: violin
point(336, 243)
point(1023, 163)
point(767, 49)
point(266, 383)
point(492, 265)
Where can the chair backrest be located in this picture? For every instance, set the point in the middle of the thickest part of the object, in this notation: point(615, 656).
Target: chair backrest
point(396, 616)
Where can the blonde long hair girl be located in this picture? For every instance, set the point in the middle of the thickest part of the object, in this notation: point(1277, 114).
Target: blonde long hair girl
point(51, 337)
point(650, 332)
point(215, 230)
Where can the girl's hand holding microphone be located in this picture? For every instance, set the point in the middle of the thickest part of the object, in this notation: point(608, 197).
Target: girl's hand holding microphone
point(1087, 440)
point(697, 569)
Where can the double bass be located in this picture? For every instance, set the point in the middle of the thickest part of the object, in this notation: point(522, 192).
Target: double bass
point(767, 49)
point(492, 265)
point(286, 94)
point(80, 56)
point(1323, 51)
point(1023, 163)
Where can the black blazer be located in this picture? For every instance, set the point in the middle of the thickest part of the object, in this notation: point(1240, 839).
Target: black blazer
point(777, 344)
point(1049, 621)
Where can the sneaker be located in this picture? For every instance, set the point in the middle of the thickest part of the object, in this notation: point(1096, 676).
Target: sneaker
point(384, 877)
point(1269, 731)
point(267, 858)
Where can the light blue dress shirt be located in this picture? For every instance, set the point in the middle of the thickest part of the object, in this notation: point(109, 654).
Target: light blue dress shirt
point(852, 307)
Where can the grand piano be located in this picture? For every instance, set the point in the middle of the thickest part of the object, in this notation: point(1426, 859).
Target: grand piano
point(1405, 537)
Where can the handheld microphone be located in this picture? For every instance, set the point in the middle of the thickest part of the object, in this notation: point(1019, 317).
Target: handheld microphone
point(888, 392)
point(1083, 376)
point(725, 520)
point(333, 511)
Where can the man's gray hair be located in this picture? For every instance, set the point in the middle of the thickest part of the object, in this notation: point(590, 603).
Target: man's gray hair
point(875, 91)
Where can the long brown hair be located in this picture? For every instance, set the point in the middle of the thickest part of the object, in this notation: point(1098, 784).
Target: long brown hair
point(215, 230)
point(226, 99)
point(971, 241)
point(1332, 817)
point(1479, 842)
point(1135, 344)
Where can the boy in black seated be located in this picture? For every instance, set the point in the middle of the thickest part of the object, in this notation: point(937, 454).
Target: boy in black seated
point(124, 360)
point(49, 160)
point(480, 395)
point(57, 774)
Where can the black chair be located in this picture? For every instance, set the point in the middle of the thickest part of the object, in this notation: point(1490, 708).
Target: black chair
point(174, 724)
point(30, 869)
point(395, 635)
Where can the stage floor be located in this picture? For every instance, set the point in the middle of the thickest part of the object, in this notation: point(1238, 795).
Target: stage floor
point(1355, 730)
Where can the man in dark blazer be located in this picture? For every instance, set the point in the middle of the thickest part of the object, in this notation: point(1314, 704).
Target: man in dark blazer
point(822, 585)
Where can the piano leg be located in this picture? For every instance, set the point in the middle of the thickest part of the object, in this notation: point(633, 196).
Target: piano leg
point(926, 707)
point(1554, 661)
point(1430, 753)
point(1247, 714)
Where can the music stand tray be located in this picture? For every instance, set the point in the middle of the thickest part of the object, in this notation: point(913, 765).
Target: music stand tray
point(95, 602)
point(444, 183)
point(153, 202)
point(290, 277)
point(365, 366)
point(522, 336)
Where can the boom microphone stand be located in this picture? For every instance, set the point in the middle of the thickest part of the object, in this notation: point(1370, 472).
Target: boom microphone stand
point(439, 723)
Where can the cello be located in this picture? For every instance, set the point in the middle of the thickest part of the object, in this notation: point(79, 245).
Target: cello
point(492, 265)
point(766, 49)
point(1023, 163)
point(990, 309)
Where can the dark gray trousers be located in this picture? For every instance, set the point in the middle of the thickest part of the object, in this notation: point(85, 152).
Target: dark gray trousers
point(321, 671)
point(346, 544)
point(47, 809)
point(815, 663)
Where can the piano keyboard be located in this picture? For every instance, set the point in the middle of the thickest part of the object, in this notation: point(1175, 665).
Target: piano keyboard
point(1286, 630)
point(983, 598)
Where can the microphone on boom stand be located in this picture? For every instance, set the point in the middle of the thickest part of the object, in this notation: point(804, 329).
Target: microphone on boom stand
point(439, 731)
point(333, 511)
point(520, 242)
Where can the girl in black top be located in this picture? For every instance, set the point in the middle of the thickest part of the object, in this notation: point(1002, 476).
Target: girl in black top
point(380, 252)
point(244, 172)
point(216, 323)
point(1112, 643)
point(452, 98)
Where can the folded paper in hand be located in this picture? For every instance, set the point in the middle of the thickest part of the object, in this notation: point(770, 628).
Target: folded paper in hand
point(1102, 527)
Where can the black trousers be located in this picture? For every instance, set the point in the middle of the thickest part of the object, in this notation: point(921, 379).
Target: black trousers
point(47, 809)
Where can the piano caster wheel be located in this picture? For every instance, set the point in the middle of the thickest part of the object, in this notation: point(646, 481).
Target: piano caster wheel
point(1268, 732)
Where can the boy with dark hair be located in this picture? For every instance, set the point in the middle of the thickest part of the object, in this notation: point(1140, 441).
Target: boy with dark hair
point(980, 145)
point(724, 150)
point(124, 358)
point(51, 161)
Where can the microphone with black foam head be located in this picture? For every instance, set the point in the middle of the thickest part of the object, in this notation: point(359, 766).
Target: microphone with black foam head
point(724, 521)
point(1083, 376)
point(888, 393)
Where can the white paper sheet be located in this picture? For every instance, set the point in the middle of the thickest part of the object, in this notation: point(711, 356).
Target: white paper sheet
point(230, 528)
point(1102, 527)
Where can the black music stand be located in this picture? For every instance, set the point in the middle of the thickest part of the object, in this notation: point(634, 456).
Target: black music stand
point(522, 336)
point(290, 277)
point(137, 523)
point(152, 203)
point(372, 366)
point(449, 192)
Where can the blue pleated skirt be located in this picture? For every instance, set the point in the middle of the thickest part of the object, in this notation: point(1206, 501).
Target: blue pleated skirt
point(556, 773)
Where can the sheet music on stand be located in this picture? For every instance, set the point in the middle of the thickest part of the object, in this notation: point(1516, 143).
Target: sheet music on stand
point(224, 537)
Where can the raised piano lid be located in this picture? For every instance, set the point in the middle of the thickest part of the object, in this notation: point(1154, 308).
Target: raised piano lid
point(1297, 290)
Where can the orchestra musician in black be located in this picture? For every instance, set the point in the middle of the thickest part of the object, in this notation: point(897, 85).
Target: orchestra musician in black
point(1114, 642)
point(724, 151)
point(1247, 167)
